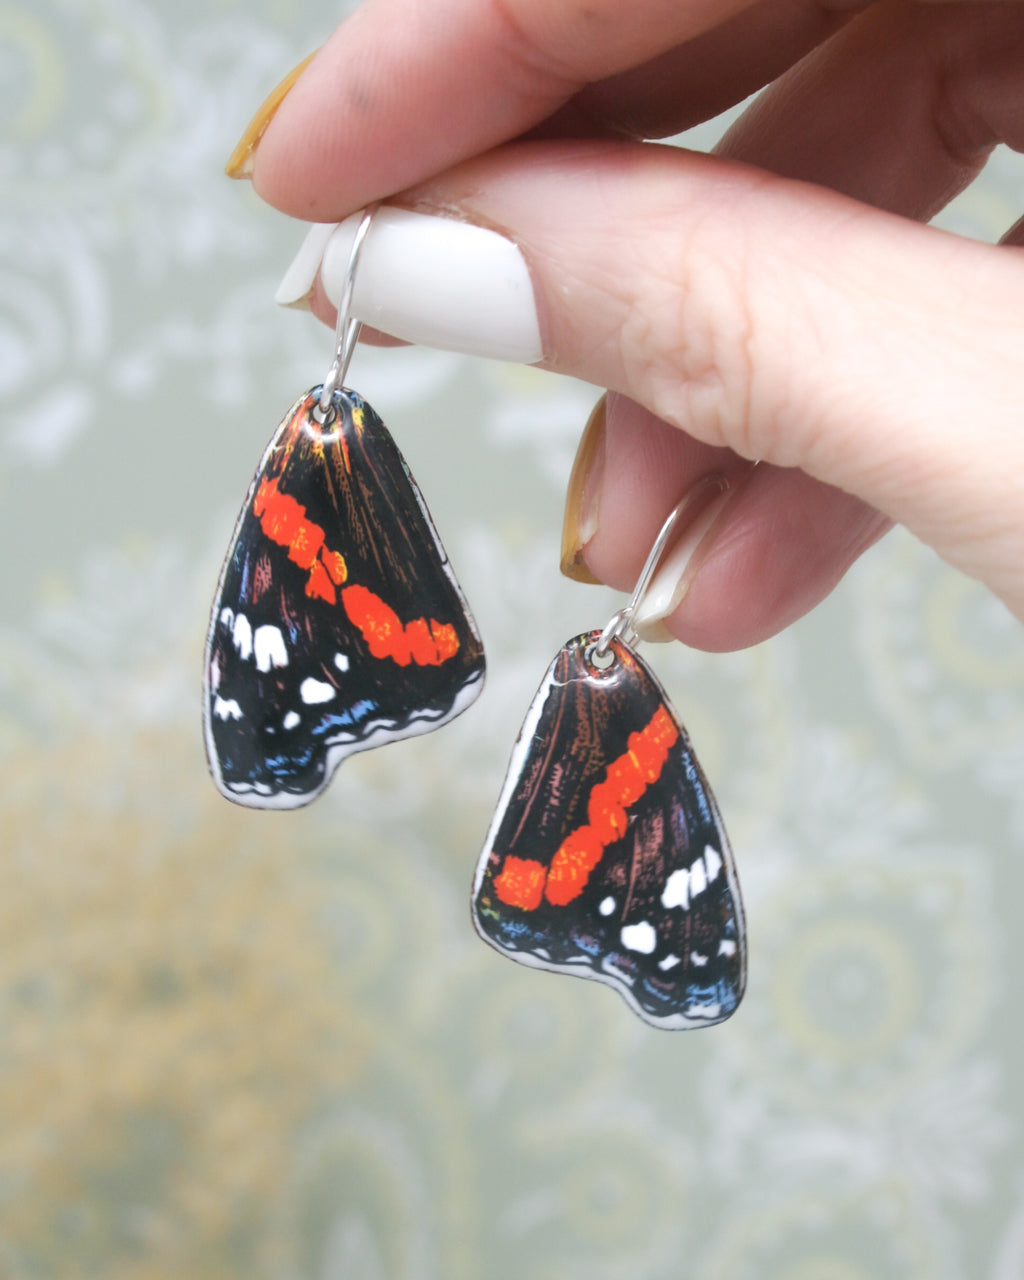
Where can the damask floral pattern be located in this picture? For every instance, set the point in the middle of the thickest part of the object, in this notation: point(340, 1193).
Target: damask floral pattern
point(270, 1045)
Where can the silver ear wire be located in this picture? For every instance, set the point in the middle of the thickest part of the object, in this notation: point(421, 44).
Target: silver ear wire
point(346, 332)
point(620, 624)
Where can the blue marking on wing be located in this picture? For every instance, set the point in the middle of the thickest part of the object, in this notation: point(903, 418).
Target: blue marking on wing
point(514, 929)
point(718, 993)
point(356, 714)
point(285, 766)
point(591, 946)
point(624, 963)
point(693, 778)
point(245, 570)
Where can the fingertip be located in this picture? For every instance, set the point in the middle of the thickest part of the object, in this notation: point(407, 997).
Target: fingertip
point(581, 518)
point(285, 163)
point(774, 545)
point(646, 467)
point(782, 546)
point(241, 163)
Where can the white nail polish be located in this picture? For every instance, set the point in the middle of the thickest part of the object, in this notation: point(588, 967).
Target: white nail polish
point(433, 281)
point(672, 579)
point(297, 285)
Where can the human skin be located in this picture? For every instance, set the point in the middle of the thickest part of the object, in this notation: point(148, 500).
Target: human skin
point(780, 300)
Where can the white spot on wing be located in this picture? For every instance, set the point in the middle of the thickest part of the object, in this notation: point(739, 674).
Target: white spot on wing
point(677, 890)
point(268, 646)
point(341, 661)
point(607, 906)
point(227, 617)
point(713, 862)
point(313, 691)
point(291, 720)
point(727, 947)
point(241, 634)
point(669, 962)
point(226, 709)
point(639, 937)
point(697, 959)
point(215, 675)
point(698, 878)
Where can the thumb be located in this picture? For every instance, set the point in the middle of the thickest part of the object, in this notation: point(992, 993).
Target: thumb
point(782, 322)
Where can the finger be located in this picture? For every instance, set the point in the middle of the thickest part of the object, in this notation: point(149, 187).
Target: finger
point(887, 64)
point(779, 548)
point(783, 322)
point(713, 71)
point(779, 569)
point(403, 89)
point(901, 109)
point(944, 75)
point(773, 546)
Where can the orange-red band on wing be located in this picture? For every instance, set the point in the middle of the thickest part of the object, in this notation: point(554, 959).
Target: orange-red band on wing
point(284, 521)
point(523, 881)
point(424, 641)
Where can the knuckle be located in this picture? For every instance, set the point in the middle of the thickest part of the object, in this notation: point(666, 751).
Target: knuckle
point(532, 60)
point(694, 350)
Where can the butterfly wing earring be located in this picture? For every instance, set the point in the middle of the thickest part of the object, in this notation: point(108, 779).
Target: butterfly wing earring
point(607, 857)
point(337, 624)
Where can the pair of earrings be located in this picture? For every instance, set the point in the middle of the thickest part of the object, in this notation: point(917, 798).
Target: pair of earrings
point(338, 625)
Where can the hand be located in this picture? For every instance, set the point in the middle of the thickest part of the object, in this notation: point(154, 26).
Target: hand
point(778, 301)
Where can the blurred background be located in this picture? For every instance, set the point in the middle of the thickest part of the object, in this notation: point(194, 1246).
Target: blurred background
point(247, 1044)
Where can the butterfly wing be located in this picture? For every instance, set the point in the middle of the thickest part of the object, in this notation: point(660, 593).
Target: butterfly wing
point(338, 624)
point(607, 857)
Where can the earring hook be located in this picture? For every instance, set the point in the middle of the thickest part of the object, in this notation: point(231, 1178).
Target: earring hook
point(346, 331)
point(620, 625)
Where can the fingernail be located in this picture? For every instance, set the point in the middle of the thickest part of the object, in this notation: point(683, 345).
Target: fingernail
point(240, 162)
point(297, 284)
point(709, 497)
point(429, 280)
point(582, 497)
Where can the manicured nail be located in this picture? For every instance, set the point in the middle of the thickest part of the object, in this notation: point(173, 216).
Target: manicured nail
point(706, 502)
point(240, 162)
point(297, 284)
point(429, 280)
point(582, 497)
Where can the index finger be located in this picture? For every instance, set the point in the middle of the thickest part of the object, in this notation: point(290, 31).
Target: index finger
point(404, 88)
